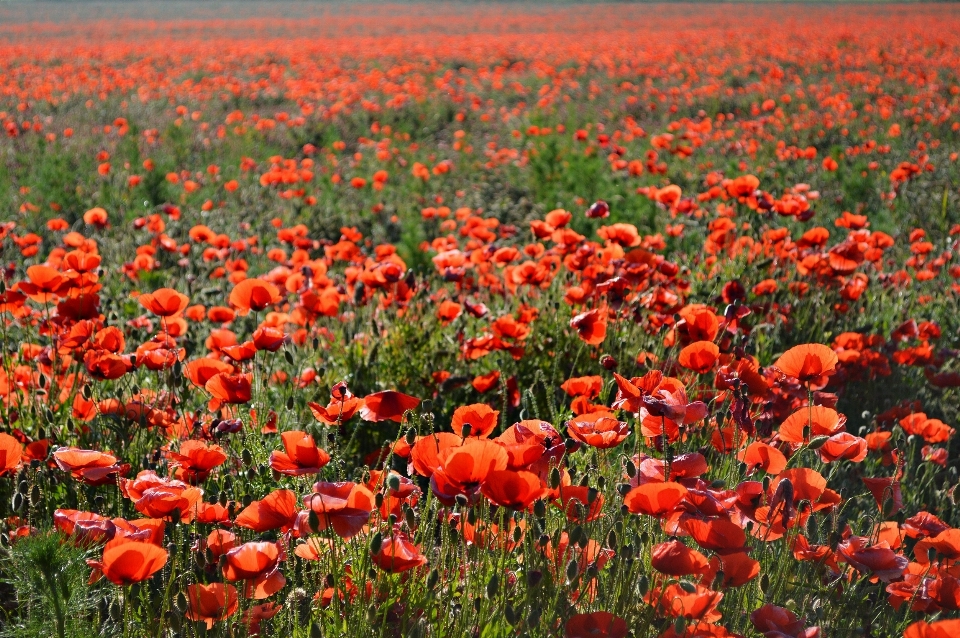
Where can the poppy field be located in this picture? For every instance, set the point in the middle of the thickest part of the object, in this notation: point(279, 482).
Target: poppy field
point(447, 320)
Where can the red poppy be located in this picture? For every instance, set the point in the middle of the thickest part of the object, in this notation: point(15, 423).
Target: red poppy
point(195, 460)
point(655, 499)
point(843, 445)
point(253, 294)
point(676, 559)
point(700, 356)
point(345, 507)
point(599, 430)
point(257, 563)
point(766, 457)
point(480, 418)
point(277, 510)
point(211, 603)
point(774, 622)
point(126, 562)
point(938, 629)
point(588, 387)
point(199, 371)
point(164, 302)
point(463, 468)
point(11, 451)
point(820, 420)
point(302, 455)
point(598, 624)
point(397, 554)
point(809, 364)
point(877, 560)
point(89, 466)
point(229, 388)
point(337, 410)
point(388, 405)
point(514, 489)
point(45, 285)
point(719, 535)
point(591, 326)
point(580, 502)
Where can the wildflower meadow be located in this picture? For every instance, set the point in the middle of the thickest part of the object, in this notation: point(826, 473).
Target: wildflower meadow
point(479, 320)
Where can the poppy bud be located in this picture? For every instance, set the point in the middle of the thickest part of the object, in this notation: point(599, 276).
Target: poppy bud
point(17, 502)
point(592, 494)
point(466, 430)
point(223, 499)
point(576, 534)
point(462, 500)
point(539, 509)
point(411, 436)
point(687, 586)
point(533, 618)
point(246, 456)
point(718, 579)
point(378, 499)
point(624, 488)
point(612, 539)
point(643, 585)
point(410, 517)
point(631, 469)
point(201, 559)
point(608, 362)
point(510, 614)
point(817, 442)
point(313, 520)
point(315, 631)
point(554, 478)
point(492, 586)
point(433, 578)
point(517, 534)
point(764, 583)
point(644, 538)
point(573, 570)
point(680, 624)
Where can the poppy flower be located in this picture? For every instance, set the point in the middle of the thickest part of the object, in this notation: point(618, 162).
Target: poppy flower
point(737, 568)
point(655, 499)
point(514, 489)
point(253, 294)
point(598, 624)
point(277, 510)
point(591, 326)
point(425, 453)
point(820, 420)
point(337, 410)
point(345, 507)
point(448, 311)
point(809, 364)
point(677, 601)
point(211, 603)
point(843, 445)
point(766, 457)
point(90, 466)
point(164, 302)
point(699, 356)
point(229, 388)
point(877, 560)
point(480, 418)
point(302, 455)
point(599, 430)
point(195, 460)
point(199, 371)
point(719, 535)
point(588, 387)
point(463, 468)
point(96, 217)
point(45, 285)
point(256, 563)
point(673, 558)
point(938, 629)
point(388, 405)
point(775, 622)
point(397, 554)
point(11, 451)
point(126, 562)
